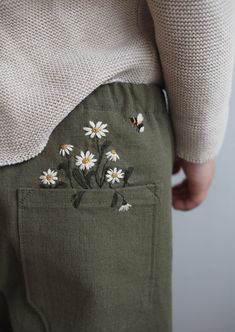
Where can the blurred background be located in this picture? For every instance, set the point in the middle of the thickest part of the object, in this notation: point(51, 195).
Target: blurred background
point(204, 250)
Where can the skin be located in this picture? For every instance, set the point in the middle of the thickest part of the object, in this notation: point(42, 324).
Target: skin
point(193, 190)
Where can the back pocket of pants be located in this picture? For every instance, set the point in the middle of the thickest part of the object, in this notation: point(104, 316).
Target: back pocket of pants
point(88, 268)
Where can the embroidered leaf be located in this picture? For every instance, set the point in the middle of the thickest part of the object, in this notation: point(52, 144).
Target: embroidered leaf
point(127, 175)
point(62, 184)
point(46, 186)
point(114, 200)
point(77, 198)
point(62, 166)
point(104, 172)
point(88, 177)
point(66, 168)
point(105, 145)
point(49, 186)
point(79, 178)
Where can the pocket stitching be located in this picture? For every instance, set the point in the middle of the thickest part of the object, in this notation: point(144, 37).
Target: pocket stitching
point(40, 313)
point(26, 195)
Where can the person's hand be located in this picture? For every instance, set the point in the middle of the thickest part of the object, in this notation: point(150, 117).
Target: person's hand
point(193, 190)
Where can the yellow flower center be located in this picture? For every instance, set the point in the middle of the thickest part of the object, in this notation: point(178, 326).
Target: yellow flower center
point(64, 146)
point(113, 152)
point(49, 177)
point(85, 161)
point(95, 130)
point(114, 175)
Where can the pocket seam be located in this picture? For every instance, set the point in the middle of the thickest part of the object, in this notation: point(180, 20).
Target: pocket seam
point(31, 303)
point(27, 199)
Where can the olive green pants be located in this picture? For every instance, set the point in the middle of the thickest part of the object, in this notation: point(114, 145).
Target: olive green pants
point(85, 230)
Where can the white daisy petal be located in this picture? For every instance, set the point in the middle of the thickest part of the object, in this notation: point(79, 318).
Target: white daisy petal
point(112, 155)
point(49, 177)
point(114, 175)
point(66, 149)
point(96, 129)
point(87, 128)
point(125, 207)
point(85, 160)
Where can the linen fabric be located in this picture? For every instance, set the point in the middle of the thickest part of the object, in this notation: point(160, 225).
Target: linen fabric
point(85, 253)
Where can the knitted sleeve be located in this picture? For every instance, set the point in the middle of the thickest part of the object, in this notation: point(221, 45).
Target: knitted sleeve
point(195, 40)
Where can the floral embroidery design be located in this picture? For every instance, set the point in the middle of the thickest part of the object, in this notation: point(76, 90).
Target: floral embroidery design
point(112, 155)
point(114, 175)
point(49, 178)
point(85, 161)
point(66, 149)
point(88, 170)
point(97, 129)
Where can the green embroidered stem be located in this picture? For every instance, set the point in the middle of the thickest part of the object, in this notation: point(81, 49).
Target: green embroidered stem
point(76, 198)
point(78, 177)
point(86, 179)
point(100, 155)
point(69, 172)
point(103, 173)
point(97, 144)
point(127, 175)
point(115, 199)
point(66, 167)
point(120, 194)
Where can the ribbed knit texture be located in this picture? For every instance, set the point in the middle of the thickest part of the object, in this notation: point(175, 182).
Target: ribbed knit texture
point(54, 53)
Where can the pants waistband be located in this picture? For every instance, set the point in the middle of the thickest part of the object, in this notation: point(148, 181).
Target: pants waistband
point(124, 94)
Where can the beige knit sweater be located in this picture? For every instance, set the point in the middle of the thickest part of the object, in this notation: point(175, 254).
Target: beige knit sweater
point(54, 53)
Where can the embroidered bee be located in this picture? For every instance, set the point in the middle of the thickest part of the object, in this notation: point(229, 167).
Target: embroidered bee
point(138, 122)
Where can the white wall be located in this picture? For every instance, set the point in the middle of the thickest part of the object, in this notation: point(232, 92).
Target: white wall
point(204, 250)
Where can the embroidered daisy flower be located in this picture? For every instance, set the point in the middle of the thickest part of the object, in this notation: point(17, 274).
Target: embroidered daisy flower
point(49, 177)
point(124, 207)
point(98, 129)
point(85, 160)
point(66, 149)
point(112, 155)
point(114, 175)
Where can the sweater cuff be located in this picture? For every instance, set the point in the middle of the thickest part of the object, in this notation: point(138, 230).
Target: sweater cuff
point(199, 143)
